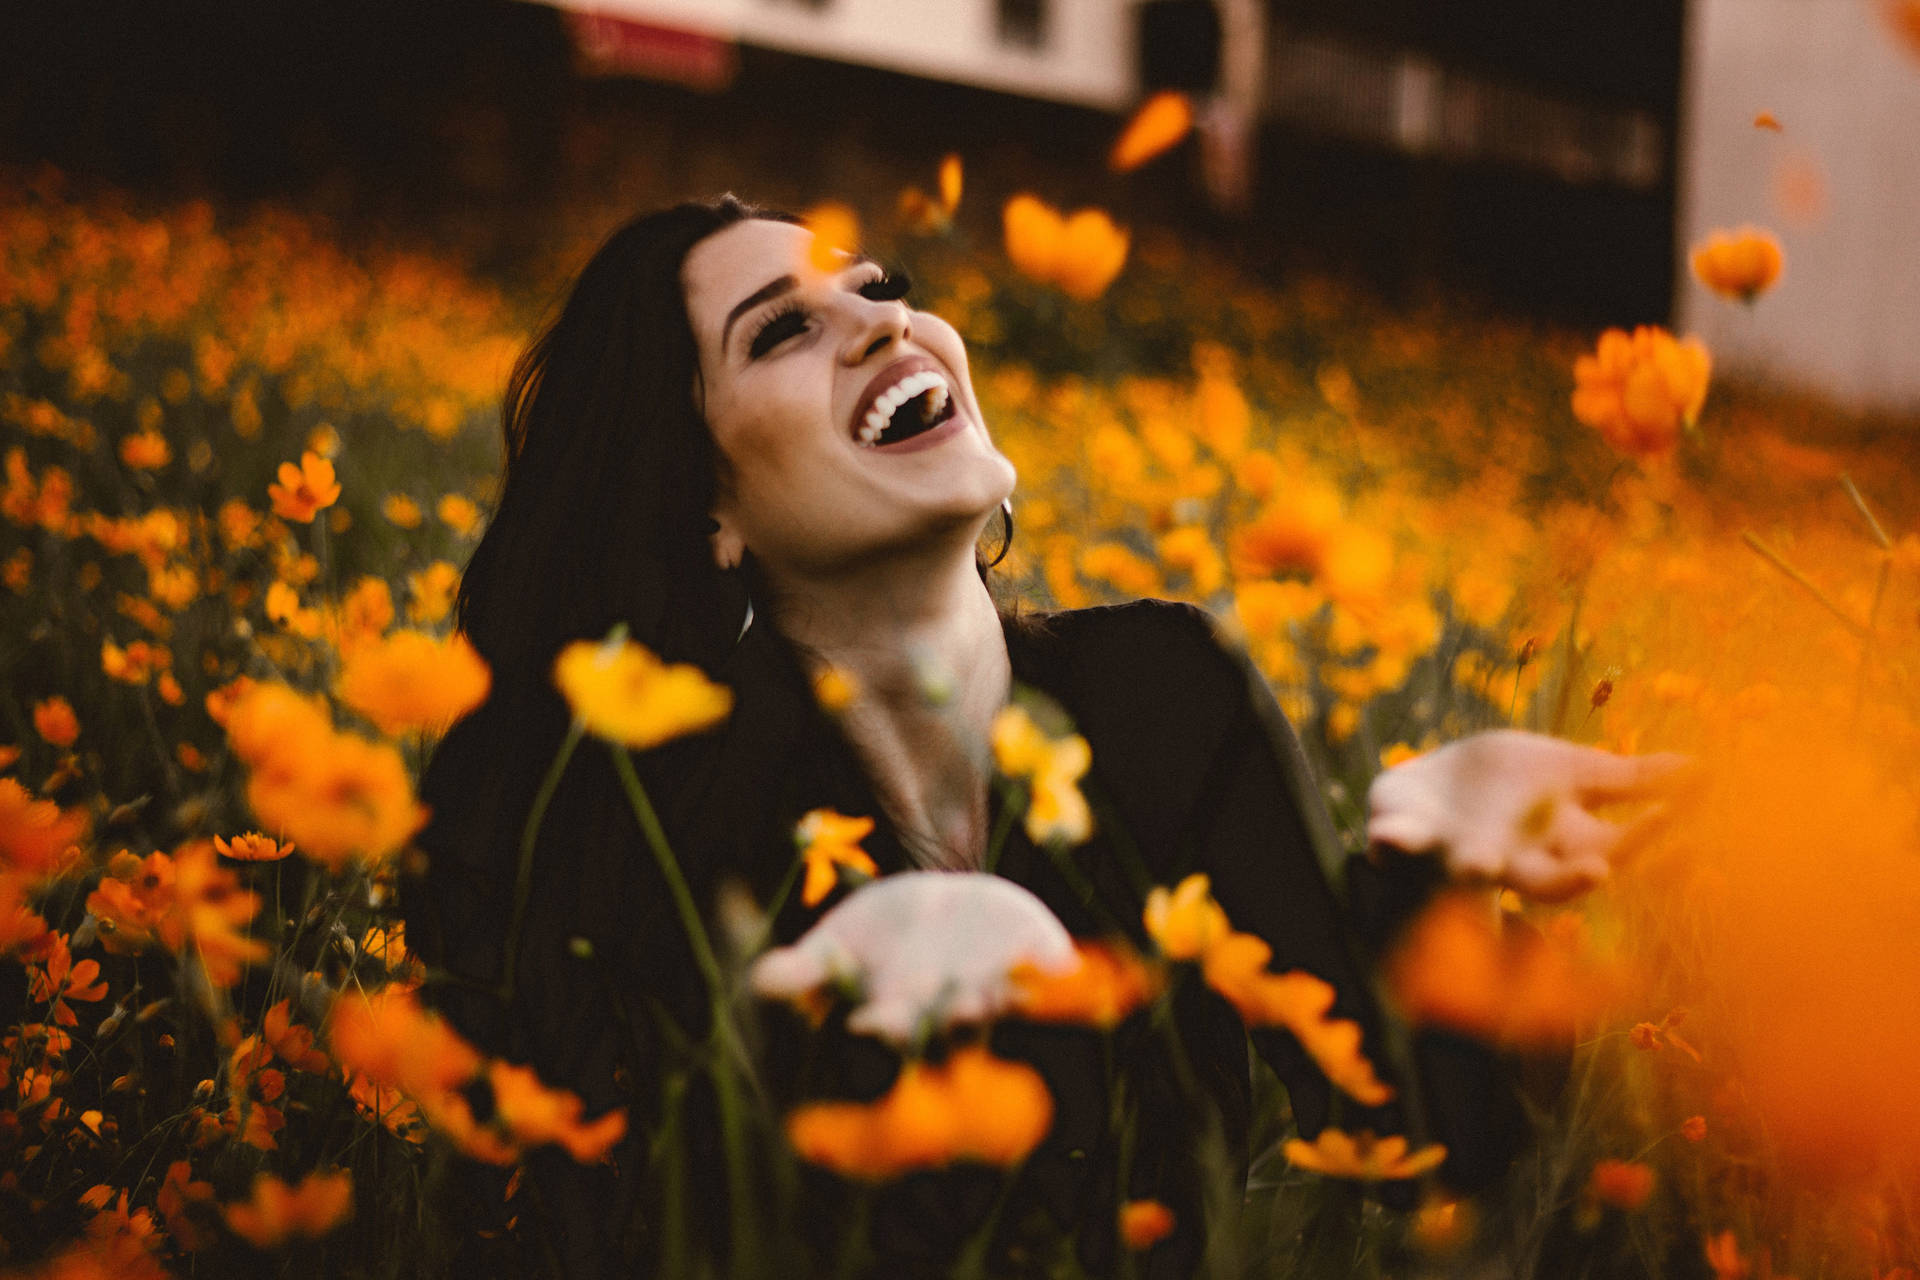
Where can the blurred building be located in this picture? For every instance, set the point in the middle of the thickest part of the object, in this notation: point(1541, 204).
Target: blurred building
point(1838, 182)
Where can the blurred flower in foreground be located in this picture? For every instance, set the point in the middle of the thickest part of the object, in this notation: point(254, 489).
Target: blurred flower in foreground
point(1724, 1256)
point(1363, 1157)
point(1766, 120)
point(1620, 1184)
point(621, 692)
point(1639, 390)
point(1160, 123)
point(1740, 264)
point(1081, 254)
point(836, 233)
point(1109, 983)
point(972, 1107)
point(414, 681)
point(54, 721)
point(304, 489)
point(828, 841)
point(1903, 17)
point(277, 1213)
point(1458, 968)
point(926, 949)
point(1052, 768)
point(1187, 924)
point(1144, 1223)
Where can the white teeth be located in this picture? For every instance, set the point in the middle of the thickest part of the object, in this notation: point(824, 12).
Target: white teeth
point(890, 400)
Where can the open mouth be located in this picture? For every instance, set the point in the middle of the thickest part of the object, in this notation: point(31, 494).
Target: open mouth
point(917, 403)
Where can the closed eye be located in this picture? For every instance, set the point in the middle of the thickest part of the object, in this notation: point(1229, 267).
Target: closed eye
point(791, 319)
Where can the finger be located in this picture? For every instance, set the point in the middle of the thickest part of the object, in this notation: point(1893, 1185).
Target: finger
point(1603, 776)
point(1547, 875)
point(786, 972)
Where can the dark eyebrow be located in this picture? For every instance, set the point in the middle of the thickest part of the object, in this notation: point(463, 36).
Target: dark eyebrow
point(773, 289)
point(765, 293)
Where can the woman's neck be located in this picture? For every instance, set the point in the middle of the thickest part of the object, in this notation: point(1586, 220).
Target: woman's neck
point(923, 645)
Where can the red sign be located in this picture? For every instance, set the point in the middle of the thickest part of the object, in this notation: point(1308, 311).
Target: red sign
point(604, 45)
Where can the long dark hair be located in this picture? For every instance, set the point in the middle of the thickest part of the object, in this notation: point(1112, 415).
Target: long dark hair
point(610, 468)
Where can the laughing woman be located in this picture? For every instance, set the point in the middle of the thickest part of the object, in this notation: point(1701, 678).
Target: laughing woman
point(768, 465)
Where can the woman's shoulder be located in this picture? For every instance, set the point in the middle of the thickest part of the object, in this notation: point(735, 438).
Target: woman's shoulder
point(1138, 651)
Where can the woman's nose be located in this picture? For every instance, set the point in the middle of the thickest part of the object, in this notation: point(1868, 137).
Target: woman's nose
point(877, 325)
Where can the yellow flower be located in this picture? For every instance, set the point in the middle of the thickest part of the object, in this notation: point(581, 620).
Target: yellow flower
point(1161, 122)
point(835, 688)
point(430, 591)
point(410, 680)
point(828, 840)
point(401, 510)
point(1362, 1156)
point(621, 692)
point(1740, 264)
point(1107, 984)
point(1235, 966)
point(1187, 922)
point(457, 512)
point(304, 489)
point(1052, 768)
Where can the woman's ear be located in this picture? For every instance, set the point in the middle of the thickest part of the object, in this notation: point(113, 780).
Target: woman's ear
point(728, 546)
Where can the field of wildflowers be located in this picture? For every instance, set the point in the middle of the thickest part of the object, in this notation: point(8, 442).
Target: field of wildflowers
point(243, 467)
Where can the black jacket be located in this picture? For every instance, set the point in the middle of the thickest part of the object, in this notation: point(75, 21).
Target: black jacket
point(1194, 769)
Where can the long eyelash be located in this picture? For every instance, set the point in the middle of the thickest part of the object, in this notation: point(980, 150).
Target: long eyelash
point(759, 334)
point(890, 287)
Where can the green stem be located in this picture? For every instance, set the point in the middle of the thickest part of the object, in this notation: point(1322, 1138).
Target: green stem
point(523, 877)
point(669, 866)
point(1879, 534)
point(1779, 562)
point(1002, 825)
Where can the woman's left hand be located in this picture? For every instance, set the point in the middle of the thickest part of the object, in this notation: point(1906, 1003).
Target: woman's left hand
point(1512, 808)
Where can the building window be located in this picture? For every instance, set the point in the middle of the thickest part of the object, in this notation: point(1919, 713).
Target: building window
point(1021, 22)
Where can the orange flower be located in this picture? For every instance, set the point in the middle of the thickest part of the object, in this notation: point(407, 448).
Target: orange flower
point(1765, 120)
point(54, 720)
point(974, 1107)
point(828, 840)
point(130, 900)
point(410, 680)
point(145, 450)
point(1235, 966)
point(534, 1115)
point(1741, 264)
point(58, 979)
point(208, 912)
point(1724, 1256)
point(1109, 983)
point(1144, 1223)
point(430, 591)
point(1362, 1156)
point(35, 836)
point(836, 232)
point(1081, 254)
point(1456, 968)
point(252, 847)
point(621, 692)
point(1639, 390)
point(1161, 121)
point(1185, 923)
point(349, 799)
point(181, 1201)
point(1290, 535)
point(457, 512)
point(303, 490)
point(1694, 1128)
point(1620, 1184)
point(400, 510)
point(278, 1213)
point(388, 1038)
point(835, 689)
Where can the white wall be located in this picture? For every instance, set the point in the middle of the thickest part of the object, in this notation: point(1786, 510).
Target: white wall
point(1087, 57)
point(1846, 315)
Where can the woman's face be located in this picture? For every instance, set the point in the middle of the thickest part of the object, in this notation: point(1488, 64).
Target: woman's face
point(846, 419)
